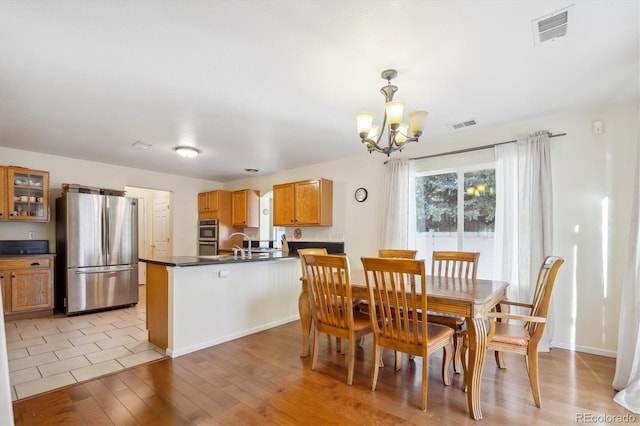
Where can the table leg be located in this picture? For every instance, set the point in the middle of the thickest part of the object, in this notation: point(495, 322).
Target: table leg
point(305, 319)
point(477, 333)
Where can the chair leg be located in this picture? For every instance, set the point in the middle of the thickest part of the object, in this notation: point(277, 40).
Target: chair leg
point(377, 357)
point(398, 360)
point(316, 348)
point(500, 359)
point(425, 382)
point(339, 345)
point(533, 376)
point(351, 360)
point(361, 341)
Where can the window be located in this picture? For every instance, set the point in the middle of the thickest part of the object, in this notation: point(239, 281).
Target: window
point(455, 210)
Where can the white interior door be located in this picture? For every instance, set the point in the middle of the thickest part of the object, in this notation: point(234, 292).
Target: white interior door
point(161, 226)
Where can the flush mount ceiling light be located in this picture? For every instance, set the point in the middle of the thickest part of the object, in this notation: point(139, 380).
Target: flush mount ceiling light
point(397, 131)
point(187, 151)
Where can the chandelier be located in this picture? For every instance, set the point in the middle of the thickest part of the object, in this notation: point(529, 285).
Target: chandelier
point(397, 131)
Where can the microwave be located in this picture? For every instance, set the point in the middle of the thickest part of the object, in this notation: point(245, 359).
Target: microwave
point(208, 230)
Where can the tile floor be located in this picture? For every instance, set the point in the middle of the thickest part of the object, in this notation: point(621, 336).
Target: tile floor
point(48, 353)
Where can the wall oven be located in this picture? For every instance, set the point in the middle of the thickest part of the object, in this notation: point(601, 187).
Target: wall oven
point(208, 237)
point(208, 230)
point(207, 248)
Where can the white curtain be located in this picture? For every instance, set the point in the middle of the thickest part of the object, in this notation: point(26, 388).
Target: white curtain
point(523, 226)
point(627, 377)
point(399, 218)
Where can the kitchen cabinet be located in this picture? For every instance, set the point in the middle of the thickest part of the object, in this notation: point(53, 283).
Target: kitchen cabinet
point(26, 195)
point(303, 203)
point(245, 208)
point(208, 201)
point(4, 205)
point(27, 286)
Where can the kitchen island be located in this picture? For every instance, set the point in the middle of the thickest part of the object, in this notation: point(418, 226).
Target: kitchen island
point(194, 302)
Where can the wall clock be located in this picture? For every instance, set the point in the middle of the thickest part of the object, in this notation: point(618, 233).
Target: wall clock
point(361, 194)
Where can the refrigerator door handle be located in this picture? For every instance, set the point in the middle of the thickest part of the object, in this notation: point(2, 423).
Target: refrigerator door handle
point(103, 271)
point(103, 226)
point(107, 230)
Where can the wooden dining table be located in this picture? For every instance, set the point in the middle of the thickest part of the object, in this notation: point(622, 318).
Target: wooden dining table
point(468, 298)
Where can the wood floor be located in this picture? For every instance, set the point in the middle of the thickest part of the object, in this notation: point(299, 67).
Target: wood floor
point(261, 379)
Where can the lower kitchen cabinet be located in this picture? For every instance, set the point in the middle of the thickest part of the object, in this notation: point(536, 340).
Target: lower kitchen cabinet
point(27, 286)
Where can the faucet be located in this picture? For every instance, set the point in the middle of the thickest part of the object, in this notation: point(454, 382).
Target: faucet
point(248, 246)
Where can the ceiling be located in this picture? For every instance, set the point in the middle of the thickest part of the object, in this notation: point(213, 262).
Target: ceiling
point(274, 85)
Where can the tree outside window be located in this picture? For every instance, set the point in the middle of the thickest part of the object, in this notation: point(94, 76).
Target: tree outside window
point(456, 211)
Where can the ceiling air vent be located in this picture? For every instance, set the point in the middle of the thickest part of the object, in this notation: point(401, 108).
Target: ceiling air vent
point(463, 124)
point(550, 27)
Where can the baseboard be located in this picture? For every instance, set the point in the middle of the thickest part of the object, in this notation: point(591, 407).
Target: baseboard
point(185, 350)
point(585, 349)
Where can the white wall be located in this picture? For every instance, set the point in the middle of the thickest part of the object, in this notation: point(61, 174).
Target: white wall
point(586, 170)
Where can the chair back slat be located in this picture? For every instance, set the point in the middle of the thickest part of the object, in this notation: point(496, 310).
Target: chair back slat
point(329, 290)
point(393, 285)
point(398, 253)
point(303, 252)
point(460, 264)
point(542, 293)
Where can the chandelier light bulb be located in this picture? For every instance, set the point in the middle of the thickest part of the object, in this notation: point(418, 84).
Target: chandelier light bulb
point(417, 119)
point(401, 134)
point(394, 112)
point(364, 120)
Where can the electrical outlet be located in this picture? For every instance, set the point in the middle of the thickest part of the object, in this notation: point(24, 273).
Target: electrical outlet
point(32, 235)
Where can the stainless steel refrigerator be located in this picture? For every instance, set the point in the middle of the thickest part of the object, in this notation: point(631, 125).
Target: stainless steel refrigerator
point(97, 251)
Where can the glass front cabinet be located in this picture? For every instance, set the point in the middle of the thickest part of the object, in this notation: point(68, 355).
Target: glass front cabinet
point(27, 195)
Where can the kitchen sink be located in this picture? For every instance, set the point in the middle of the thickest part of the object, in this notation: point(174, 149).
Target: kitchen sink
point(230, 256)
point(218, 257)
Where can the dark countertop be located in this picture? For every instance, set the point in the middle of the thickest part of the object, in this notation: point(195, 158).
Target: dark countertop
point(12, 256)
point(215, 260)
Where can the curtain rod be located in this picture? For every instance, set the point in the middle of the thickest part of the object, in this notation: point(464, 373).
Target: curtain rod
point(477, 148)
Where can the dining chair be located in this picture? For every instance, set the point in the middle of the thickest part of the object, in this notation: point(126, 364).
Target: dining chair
point(402, 254)
point(303, 299)
point(397, 287)
point(330, 300)
point(523, 339)
point(460, 265)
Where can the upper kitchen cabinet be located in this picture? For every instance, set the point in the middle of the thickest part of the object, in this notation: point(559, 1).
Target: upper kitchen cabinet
point(245, 208)
point(3, 194)
point(211, 202)
point(208, 201)
point(26, 195)
point(304, 203)
point(215, 205)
